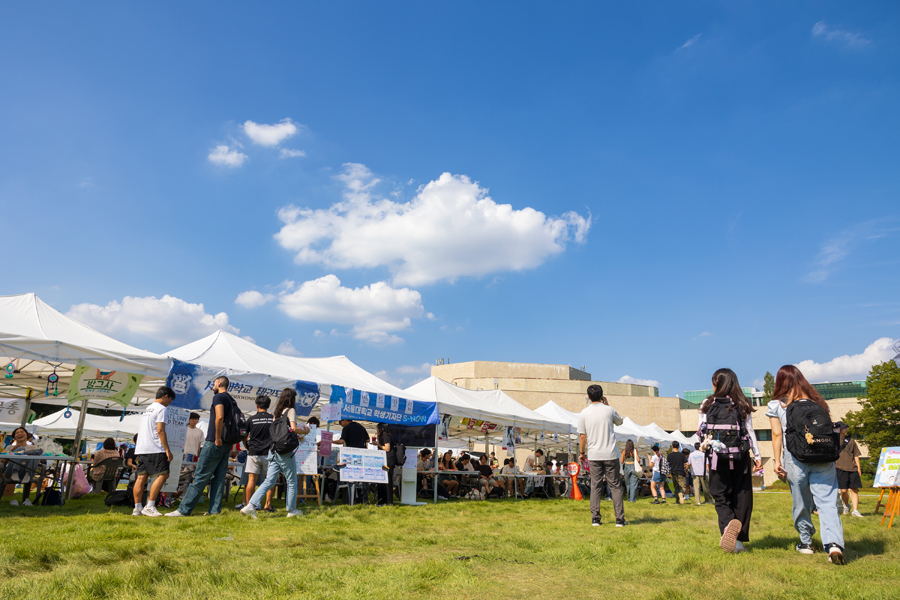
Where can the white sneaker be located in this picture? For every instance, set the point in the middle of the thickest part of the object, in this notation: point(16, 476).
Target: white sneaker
point(14, 503)
point(846, 510)
point(739, 547)
point(249, 510)
point(175, 513)
point(295, 513)
point(856, 513)
point(27, 502)
point(150, 511)
point(137, 511)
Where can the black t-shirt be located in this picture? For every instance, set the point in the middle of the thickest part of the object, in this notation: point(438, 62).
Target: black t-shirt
point(485, 470)
point(355, 435)
point(224, 400)
point(391, 456)
point(676, 463)
point(129, 454)
point(258, 437)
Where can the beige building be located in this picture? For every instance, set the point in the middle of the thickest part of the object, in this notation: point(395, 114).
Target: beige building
point(533, 385)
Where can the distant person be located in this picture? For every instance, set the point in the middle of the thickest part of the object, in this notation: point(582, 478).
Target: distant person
point(676, 471)
point(353, 435)
point(597, 443)
point(697, 460)
point(193, 438)
point(511, 481)
point(258, 443)
point(629, 460)
point(657, 479)
point(130, 460)
point(97, 472)
point(17, 471)
point(152, 452)
point(725, 417)
point(212, 464)
point(385, 442)
point(448, 481)
point(849, 472)
point(810, 482)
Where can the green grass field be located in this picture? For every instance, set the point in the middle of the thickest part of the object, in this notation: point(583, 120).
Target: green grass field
point(494, 549)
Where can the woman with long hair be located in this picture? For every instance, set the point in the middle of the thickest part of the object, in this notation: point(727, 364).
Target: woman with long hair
point(448, 481)
point(17, 470)
point(386, 443)
point(812, 484)
point(657, 479)
point(629, 458)
point(281, 464)
point(730, 479)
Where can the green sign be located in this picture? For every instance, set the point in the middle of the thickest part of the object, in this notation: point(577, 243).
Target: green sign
point(96, 384)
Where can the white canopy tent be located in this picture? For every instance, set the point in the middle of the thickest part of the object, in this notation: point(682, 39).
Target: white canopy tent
point(58, 425)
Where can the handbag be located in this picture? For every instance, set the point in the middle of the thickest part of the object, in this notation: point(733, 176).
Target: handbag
point(637, 465)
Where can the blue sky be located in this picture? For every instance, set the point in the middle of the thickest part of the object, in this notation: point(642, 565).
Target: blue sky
point(651, 190)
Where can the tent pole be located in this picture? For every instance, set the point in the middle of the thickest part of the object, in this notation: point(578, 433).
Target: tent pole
point(27, 406)
point(78, 431)
point(434, 457)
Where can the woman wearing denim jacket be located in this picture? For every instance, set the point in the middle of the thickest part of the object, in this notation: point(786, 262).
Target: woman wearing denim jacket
point(812, 484)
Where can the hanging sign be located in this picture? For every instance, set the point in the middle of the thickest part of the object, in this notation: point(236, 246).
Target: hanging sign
point(359, 405)
point(444, 428)
point(12, 410)
point(176, 434)
point(193, 384)
point(331, 412)
point(96, 384)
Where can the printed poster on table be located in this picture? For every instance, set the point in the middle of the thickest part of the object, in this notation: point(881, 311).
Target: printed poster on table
point(363, 464)
point(887, 474)
point(176, 432)
point(325, 445)
point(306, 456)
point(95, 384)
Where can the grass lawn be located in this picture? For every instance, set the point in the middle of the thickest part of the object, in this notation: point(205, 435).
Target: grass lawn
point(467, 549)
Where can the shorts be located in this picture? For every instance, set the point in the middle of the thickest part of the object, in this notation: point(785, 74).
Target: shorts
point(658, 477)
point(257, 465)
point(848, 480)
point(152, 464)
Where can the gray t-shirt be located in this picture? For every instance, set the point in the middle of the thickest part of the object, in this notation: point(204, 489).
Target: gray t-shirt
point(596, 422)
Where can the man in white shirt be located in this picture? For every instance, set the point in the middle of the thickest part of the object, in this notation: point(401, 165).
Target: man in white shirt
point(194, 437)
point(598, 445)
point(152, 453)
point(698, 468)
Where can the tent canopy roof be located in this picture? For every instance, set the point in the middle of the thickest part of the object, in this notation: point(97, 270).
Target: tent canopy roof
point(95, 426)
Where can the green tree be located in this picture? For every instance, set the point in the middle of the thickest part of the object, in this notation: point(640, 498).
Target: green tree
point(768, 387)
point(878, 420)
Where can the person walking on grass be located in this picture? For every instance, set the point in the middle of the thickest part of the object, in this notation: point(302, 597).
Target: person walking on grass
point(212, 464)
point(849, 473)
point(257, 443)
point(676, 468)
point(697, 459)
point(152, 452)
point(629, 460)
point(813, 484)
point(597, 443)
point(281, 463)
point(726, 426)
point(657, 479)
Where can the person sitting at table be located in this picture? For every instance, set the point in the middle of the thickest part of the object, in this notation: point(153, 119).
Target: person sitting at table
point(448, 481)
point(510, 468)
point(107, 451)
point(18, 471)
point(487, 477)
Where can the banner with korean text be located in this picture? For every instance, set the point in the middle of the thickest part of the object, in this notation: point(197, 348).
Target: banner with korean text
point(360, 405)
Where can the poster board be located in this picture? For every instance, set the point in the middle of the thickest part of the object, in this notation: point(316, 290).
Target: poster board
point(325, 445)
point(96, 384)
point(363, 464)
point(306, 456)
point(887, 474)
point(176, 433)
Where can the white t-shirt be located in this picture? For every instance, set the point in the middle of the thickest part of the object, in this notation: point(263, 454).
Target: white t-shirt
point(507, 470)
point(193, 440)
point(596, 422)
point(148, 437)
point(530, 460)
point(654, 461)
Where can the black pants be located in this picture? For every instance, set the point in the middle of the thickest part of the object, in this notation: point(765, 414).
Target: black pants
point(732, 490)
point(385, 490)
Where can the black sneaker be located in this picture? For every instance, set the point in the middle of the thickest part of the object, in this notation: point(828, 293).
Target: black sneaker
point(805, 549)
point(596, 522)
point(655, 501)
point(621, 523)
point(835, 555)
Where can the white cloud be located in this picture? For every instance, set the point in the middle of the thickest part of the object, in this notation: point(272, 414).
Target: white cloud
point(451, 229)
point(691, 41)
point(839, 247)
point(840, 36)
point(287, 348)
point(701, 335)
point(636, 381)
point(168, 319)
point(376, 311)
point(409, 369)
point(395, 381)
point(849, 367)
point(319, 333)
point(253, 299)
point(291, 153)
point(270, 135)
point(224, 156)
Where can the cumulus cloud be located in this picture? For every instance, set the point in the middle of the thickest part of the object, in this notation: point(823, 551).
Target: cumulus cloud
point(451, 229)
point(253, 299)
point(224, 156)
point(287, 348)
point(291, 153)
point(410, 369)
point(839, 36)
point(690, 42)
point(849, 367)
point(168, 319)
point(636, 381)
point(376, 311)
point(270, 135)
point(395, 381)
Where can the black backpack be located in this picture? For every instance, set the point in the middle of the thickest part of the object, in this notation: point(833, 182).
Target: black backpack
point(283, 439)
point(120, 498)
point(811, 436)
point(399, 450)
point(235, 426)
point(723, 423)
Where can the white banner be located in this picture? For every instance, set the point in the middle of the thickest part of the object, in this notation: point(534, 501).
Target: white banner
point(176, 432)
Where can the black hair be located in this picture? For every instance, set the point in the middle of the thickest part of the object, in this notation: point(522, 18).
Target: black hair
point(505, 462)
point(165, 392)
point(725, 384)
point(223, 380)
point(685, 451)
point(263, 402)
point(14, 434)
point(134, 439)
point(541, 452)
point(595, 392)
point(194, 416)
point(109, 444)
point(629, 449)
point(676, 445)
point(313, 421)
point(287, 399)
point(425, 452)
point(696, 445)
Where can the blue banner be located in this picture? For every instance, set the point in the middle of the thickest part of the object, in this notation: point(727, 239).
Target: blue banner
point(360, 405)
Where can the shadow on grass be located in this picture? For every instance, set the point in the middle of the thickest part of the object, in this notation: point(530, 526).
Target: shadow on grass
point(855, 549)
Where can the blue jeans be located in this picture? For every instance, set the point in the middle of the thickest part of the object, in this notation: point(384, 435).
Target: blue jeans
point(212, 466)
point(631, 482)
point(279, 463)
point(815, 482)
